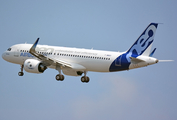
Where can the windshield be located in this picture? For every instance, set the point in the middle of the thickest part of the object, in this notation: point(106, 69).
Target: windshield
point(9, 49)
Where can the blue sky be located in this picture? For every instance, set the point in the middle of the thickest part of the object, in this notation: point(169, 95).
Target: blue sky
point(144, 93)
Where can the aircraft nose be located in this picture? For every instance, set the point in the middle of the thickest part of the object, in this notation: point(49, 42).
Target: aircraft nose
point(4, 56)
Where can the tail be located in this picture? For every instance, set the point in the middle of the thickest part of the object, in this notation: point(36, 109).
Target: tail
point(139, 54)
point(143, 44)
point(141, 47)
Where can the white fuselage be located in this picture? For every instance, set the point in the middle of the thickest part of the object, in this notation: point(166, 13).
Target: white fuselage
point(92, 60)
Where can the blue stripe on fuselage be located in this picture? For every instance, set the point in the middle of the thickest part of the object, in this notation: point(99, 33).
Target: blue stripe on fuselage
point(120, 63)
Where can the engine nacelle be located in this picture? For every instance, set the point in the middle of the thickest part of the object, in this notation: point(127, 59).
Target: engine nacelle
point(34, 66)
point(71, 72)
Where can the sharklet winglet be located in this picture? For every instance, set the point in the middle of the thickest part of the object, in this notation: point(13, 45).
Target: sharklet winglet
point(34, 46)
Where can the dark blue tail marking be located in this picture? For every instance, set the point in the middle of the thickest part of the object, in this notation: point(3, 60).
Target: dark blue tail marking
point(123, 61)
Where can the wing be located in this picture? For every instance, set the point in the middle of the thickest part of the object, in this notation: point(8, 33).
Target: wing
point(50, 61)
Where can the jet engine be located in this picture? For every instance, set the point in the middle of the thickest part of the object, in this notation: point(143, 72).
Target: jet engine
point(34, 66)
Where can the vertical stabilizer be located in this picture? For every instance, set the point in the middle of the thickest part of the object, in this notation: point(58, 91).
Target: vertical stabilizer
point(141, 47)
point(152, 53)
point(143, 44)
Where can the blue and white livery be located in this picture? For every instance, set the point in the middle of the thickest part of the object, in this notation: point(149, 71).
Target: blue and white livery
point(36, 58)
point(141, 47)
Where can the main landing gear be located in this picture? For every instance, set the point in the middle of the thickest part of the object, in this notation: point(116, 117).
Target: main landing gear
point(59, 77)
point(85, 79)
point(21, 72)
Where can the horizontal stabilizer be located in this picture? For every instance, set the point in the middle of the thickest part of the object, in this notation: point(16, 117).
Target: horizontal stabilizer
point(136, 59)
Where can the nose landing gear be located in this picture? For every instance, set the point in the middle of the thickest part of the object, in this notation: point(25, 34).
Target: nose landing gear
point(21, 72)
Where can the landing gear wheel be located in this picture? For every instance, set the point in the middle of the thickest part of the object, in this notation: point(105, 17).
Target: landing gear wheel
point(59, 77)
point(62, 77)
point(85, 79)
point(20, 73)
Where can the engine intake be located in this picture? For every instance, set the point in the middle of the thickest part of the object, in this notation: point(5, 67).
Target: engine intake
point(34, 66)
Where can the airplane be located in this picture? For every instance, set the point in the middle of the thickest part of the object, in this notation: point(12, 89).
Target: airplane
point(35, 58)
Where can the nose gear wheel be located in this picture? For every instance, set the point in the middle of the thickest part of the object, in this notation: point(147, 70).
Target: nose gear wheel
point(21, 72)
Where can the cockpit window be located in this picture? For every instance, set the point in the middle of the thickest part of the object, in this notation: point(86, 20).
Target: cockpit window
point(9, 49)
